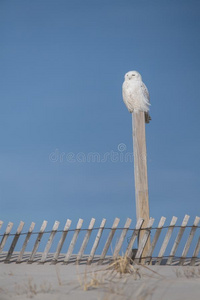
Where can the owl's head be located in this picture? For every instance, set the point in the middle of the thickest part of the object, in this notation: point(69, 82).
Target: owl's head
point(133, 75)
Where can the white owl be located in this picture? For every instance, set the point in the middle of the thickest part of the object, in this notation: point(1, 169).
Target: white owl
point(135, 94)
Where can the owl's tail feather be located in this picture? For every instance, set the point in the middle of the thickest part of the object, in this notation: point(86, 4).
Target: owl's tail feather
point(147, 117)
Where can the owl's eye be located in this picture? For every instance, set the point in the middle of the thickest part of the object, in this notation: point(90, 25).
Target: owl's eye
point(133, 74)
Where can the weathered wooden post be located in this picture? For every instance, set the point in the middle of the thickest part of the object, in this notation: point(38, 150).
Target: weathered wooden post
point(140, 171)
point(136, 98)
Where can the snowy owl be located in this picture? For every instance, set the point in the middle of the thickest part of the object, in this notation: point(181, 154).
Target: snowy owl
point(135, 94)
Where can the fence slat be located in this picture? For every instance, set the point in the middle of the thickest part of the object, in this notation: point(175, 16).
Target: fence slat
point(138, 226)
point(25, 242)
point(73, 241)
point(96, 242)
point(195, 254)
point(1, 223)
point(178, 239)
point(61, 242)
point(155, 239)
point(109, 240)
point(166, 240)
point(85, 241)
point(37, 242)
point(189, 241)
point(14, 242)
point(144, 240)
point(140, 257)
point(50, 241)
point(5, 236)
point(122, 237)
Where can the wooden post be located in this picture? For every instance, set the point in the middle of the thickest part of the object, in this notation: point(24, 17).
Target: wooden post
point(25, 242)
point(178, 239)
point(195, 254)
point(189, 241)
point(155, 239)
point(5, 236)
point(122, 237)
point(140, 171)
point(73, 241)
point(96, 242)
point(61, 242)
point(144, 241)
point(166, 240)
point(128, 252)
point(14, 242)
point(50, 241)
point(109, 240)
point(37, 242)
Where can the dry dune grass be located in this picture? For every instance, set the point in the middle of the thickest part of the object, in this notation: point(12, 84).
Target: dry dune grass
point(91, 280)
point(123, 265)
point(114, 279)
point(31, 289)
point(119, 280)
point(119, 267)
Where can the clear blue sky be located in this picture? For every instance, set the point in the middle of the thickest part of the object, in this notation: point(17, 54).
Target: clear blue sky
point(61, 70)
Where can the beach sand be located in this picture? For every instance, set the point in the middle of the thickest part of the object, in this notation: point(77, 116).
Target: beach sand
point(61, 282)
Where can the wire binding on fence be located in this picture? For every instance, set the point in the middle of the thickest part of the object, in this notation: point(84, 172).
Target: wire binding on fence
point(130, 241)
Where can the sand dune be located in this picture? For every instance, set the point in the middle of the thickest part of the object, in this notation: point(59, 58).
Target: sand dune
point(61, 282)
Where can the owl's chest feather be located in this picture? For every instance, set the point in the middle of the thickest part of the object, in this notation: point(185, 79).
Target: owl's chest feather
point(133, 88)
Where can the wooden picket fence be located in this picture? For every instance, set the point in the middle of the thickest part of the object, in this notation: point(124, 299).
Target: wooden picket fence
point(66, 257)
